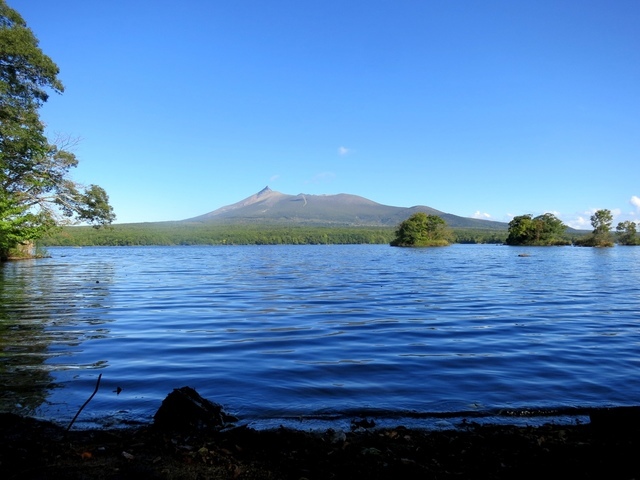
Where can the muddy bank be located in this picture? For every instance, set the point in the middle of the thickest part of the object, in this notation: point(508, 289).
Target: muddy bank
point(605, 448)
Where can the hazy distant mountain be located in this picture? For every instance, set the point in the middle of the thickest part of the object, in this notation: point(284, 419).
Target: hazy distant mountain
point(271, 207)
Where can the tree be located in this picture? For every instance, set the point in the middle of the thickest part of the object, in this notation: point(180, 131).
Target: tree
point(520, 230)
point(601, 222)
point(626, 232)
point(544, 229)
point(422, 230)
point(37, 193)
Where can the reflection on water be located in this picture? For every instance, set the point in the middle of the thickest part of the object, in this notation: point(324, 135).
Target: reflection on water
point(44, 324)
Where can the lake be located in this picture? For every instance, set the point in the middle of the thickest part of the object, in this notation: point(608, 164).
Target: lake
point(317, 335)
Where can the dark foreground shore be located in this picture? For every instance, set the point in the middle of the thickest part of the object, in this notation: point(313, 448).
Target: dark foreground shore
point(607, 449)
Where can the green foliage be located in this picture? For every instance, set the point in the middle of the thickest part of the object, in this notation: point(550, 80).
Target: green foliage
point(36, 193)
point(422, 230)
point(476, 235)
point(601, 222)
point(182, 233)
point(542, 230)
point(179, 233)
point(627, 233)
point(16, 226)
point(601, 236)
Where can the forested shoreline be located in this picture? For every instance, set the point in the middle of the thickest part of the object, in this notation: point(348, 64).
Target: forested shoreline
point(178, 233)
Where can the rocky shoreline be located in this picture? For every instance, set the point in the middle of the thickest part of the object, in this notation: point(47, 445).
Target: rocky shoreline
point(33, 449)
point(194, 438)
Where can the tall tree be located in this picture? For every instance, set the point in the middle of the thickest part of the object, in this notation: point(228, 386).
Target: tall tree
point(601, 222)
point(36, 191)
point(627, 233)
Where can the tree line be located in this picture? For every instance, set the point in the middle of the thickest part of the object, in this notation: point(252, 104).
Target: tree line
point(178, 233)
point(417, 230)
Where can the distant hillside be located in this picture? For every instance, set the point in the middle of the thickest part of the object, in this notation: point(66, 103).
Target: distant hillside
point(271, 207)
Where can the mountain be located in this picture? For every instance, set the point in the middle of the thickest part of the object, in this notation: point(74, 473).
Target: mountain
point(271, 207)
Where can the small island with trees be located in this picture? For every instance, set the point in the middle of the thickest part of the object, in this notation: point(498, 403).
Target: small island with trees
point(602, 236)
point(547, 229)
point(542, 230)
point(422, 230)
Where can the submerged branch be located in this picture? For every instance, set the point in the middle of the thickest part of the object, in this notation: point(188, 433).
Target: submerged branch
point(85, 403)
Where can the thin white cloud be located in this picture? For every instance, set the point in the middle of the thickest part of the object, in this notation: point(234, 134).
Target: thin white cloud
point(635, 201)
point(342, 151)
point(481, 215)
point(322, 177)
point(273, 178)
point(579, 223)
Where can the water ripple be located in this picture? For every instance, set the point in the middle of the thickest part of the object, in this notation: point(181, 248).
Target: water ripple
point(321, 331)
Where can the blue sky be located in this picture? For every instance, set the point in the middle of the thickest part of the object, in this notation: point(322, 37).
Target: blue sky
point(476, 108)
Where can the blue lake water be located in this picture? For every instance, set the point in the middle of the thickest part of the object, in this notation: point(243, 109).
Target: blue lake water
point(302, 334)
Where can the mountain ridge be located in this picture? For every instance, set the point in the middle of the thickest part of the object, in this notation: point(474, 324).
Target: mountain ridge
point(271, 207)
